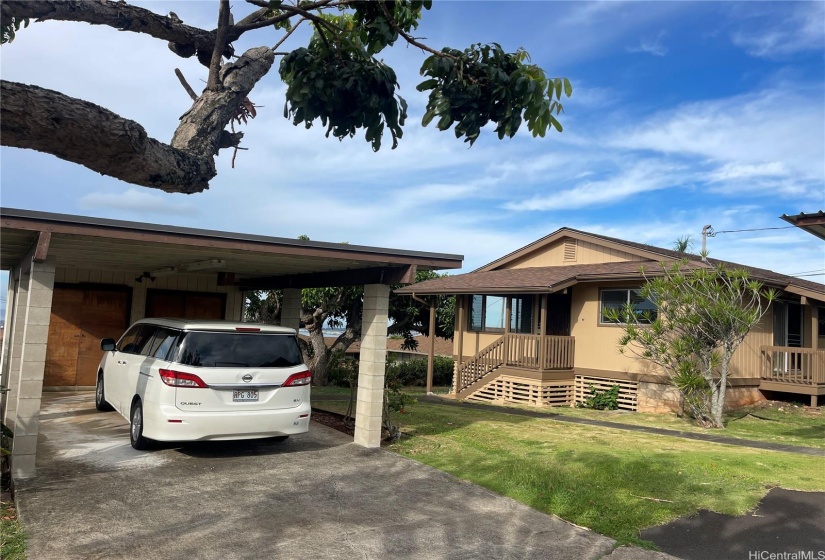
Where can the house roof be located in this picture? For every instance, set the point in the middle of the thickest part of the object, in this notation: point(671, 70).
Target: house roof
point(812, 223)
point(443, 347)
point(543, 279)
point(492, 278)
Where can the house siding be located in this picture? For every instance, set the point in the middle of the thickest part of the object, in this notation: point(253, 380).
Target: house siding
point(586, 253)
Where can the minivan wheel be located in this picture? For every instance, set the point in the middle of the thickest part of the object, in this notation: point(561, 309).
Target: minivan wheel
point(136, 428)
point(100, 395)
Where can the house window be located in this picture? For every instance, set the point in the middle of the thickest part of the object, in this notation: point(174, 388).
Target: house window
point(521, 314)
point(644, 309)
point(488, 313)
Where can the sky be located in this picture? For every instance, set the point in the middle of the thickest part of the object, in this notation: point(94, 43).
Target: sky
point(683, 114)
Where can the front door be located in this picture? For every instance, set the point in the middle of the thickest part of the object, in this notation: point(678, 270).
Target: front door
point(558, 314)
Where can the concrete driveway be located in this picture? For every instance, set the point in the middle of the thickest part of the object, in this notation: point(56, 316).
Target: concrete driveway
point(315, 496)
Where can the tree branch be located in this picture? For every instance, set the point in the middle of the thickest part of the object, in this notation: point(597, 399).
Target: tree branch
point(201, 127)
point(213, 83)
point(87, 134)
point(409, 38)
point(120, 15)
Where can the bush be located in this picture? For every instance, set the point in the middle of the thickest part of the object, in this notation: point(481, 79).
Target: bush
point(342, 370)
point(601, 400)
point(413, 373)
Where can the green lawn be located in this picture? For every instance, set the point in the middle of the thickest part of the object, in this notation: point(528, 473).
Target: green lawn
point(613, 481)
point(12, 538)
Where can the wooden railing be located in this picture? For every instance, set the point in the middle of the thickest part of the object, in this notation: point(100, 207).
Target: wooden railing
point(534, 351)
point(489, 359)
point(530, 351)
point(559, 352)
point(805, 366)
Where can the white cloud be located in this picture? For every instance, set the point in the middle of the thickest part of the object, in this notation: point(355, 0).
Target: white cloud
point(779, 126)
point(796, 27)
point(733, 171)
point(639, 177)
point(650, 46)
point(139, 202)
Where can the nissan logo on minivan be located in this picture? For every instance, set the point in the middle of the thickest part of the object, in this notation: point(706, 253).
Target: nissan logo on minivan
point(247, 378)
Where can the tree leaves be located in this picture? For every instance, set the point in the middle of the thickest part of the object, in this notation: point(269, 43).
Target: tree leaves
point(335, 81)
point(483, 84)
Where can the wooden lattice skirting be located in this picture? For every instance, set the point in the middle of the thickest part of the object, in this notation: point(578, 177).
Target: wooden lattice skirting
point(506, 389)
point(628, 390)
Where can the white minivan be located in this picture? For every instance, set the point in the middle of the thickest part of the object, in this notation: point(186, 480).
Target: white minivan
point(186, 380)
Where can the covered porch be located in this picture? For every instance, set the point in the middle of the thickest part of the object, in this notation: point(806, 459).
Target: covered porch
point(793, 370)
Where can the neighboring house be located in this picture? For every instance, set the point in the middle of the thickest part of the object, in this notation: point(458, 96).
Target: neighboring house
point(530, 327)
point(812, 223)
point(395, 348)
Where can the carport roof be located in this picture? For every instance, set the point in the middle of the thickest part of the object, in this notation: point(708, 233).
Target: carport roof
point(256, 261)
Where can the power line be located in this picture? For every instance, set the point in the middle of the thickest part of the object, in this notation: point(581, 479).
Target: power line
point(801, 275)
point(817, 271)
point(755, 229)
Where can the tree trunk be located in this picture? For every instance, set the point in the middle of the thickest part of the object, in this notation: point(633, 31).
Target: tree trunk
point(718, 392)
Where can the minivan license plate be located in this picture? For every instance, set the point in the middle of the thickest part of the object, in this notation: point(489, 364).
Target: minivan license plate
point(246, 395)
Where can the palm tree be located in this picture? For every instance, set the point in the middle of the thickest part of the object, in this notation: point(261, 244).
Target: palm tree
point(683, 244)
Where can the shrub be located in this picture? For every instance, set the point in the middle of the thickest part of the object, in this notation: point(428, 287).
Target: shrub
point(601, 400)
point(413, 373)
point(342, 370)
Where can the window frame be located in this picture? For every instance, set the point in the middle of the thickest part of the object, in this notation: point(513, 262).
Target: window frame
point(603, 322)
point(528, 308)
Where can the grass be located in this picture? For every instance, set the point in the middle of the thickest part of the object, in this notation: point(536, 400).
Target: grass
point(773, 422)
point(12, 537)
point(614, 481)
point(783, 423)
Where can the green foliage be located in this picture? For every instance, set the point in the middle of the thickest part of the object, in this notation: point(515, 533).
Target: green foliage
point(395, 401)
point(336, 80)
point(378, 22)
point(343, 370)
point(601, 400)
point(683, 244)
point(413, 373)
point(484, 84)
point(705, 314)
point(10, 27)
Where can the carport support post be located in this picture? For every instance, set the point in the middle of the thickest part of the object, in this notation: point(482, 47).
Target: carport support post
point(371, 366)
point(32, 367)
point(291, 308)
point(21, 283)
point(5, 363)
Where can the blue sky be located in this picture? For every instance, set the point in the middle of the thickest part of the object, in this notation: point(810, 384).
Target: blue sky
point(683, 114)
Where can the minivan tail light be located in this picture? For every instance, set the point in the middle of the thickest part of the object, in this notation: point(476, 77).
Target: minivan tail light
point(248, 329)
point(298, 379)
point(180, 379)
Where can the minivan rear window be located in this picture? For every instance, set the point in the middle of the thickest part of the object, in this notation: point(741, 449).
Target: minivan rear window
point(226, 349)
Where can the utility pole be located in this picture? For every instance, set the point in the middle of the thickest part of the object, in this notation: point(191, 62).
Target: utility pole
point(707, 231)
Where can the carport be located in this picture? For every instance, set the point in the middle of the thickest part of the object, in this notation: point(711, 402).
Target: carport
point(76, 279)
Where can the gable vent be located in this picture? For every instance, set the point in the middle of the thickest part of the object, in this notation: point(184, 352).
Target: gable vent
point(570, 246)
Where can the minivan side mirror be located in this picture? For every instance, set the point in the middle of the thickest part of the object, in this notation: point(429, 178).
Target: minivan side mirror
point(107, 344)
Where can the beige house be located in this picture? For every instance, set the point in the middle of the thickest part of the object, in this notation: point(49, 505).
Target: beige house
point(530, 327)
